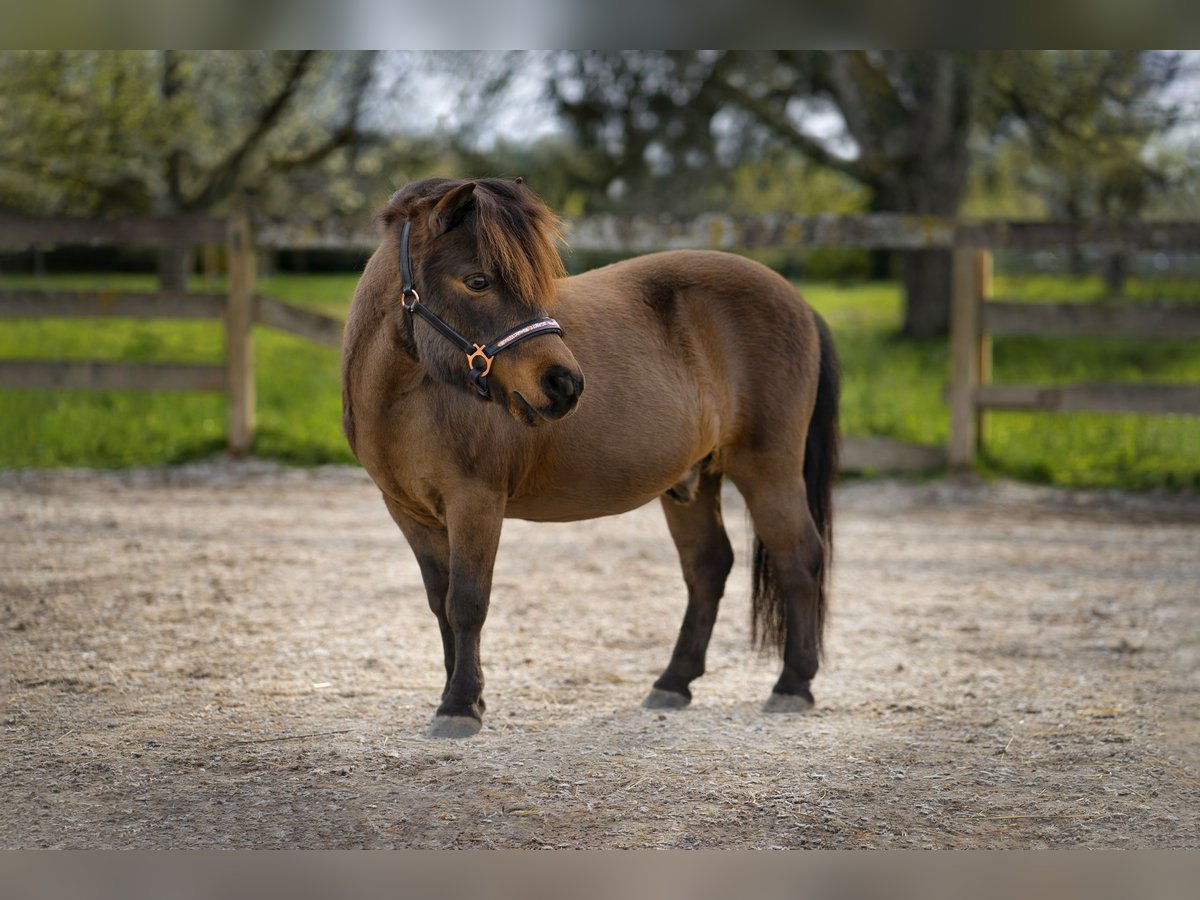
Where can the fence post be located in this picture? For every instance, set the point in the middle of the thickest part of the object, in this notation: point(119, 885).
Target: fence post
point(211, 258)
point(983, 293)
point(239, 335)
point(964, 360)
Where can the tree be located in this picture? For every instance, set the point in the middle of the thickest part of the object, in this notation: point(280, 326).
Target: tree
point(900, 123)
point(906, 117)
point(169, 132)
point(644, 121)
point(1085, 122)
point(904, 122)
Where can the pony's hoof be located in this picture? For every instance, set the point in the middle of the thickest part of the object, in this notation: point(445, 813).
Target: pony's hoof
point(660, 699)
point(787, 703)
point(454, 727)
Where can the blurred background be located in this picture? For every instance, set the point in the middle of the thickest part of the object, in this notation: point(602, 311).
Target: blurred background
point(310, 137)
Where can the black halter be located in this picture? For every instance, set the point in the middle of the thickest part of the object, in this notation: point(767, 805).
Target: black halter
point(479, 356)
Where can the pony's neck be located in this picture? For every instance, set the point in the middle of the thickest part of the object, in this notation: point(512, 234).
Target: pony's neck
point(406, 367)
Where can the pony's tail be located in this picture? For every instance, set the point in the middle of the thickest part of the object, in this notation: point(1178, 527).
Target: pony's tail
point(768, 606)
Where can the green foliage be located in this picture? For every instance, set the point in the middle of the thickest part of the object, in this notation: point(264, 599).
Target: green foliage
point(891, 388)
point(782, 182)
point(109, 132)
point(998, 184)
point(1074, 130)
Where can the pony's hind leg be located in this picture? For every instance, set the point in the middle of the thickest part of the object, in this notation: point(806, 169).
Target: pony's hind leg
point(788, 590)
point(706, 557)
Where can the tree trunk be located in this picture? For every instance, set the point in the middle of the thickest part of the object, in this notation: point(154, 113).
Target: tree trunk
point(927, 285)
point(175, 264)
point(1076, 261)
point(880, 265)
point(1116, 269)
point(925, 274)
point(911, 114)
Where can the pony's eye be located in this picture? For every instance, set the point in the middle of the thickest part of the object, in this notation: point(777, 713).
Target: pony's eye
point(477, 282)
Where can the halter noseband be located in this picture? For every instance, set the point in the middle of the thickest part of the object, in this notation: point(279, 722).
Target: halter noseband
point(479, 356)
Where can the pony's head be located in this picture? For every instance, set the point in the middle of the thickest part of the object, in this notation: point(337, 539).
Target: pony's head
point(484, 260)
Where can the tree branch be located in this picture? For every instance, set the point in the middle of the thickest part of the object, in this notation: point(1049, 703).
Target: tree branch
point(348, 133)
point(875, 113)
point(343, 137)
point(224, 177)
point(169, 86)
point(778, 122)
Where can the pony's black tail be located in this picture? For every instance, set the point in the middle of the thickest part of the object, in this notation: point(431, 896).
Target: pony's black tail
point(768, 607)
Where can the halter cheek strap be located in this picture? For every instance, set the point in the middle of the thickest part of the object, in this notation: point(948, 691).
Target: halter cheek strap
point(479, 356)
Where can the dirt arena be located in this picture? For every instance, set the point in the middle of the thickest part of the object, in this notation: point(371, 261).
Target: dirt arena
point(239, 655)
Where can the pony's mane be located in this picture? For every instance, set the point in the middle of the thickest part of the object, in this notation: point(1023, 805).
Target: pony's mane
point(518, 235)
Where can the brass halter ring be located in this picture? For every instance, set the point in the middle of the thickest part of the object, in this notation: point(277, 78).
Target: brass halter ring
point(480, 353)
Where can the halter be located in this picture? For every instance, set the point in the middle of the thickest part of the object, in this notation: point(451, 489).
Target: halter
point(479, 356)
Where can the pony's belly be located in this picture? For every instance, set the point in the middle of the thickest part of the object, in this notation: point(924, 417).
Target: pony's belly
point(574, 509)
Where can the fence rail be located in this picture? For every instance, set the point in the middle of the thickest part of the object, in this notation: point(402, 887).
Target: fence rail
point(32, 303)
point(18, 232)
point(1116, 320)
point(885, 231)
point(1108, 397)
point(111, 376)
point(298, 321)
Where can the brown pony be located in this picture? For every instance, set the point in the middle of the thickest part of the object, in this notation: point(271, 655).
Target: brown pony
point(699, 365)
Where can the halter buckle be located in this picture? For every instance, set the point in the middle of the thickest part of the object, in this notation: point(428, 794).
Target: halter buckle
point(404, 301)
point(479, 354)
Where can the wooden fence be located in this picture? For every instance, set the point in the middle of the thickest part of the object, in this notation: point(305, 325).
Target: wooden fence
point(240, 307)
point(976, 315)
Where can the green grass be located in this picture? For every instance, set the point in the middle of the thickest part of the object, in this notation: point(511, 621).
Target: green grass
point(891, 387)
point(296, 382)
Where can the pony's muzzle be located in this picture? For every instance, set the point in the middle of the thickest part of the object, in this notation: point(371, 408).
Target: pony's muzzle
point(562, 387)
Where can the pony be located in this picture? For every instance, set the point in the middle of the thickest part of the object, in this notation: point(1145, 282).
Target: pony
point(479, 383)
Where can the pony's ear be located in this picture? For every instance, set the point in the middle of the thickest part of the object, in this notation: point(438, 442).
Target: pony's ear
point(386, 217)
point(452, 208)
point(390, 214)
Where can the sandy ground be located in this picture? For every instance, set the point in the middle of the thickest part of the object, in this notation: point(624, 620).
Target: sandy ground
point(241, 655)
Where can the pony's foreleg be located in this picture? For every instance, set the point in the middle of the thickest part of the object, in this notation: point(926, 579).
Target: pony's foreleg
point(431, 546)
point(456, 565)
point(474, 534)
point(706, 558)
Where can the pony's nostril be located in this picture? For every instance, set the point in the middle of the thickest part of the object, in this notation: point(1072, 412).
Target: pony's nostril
point(560, 384)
